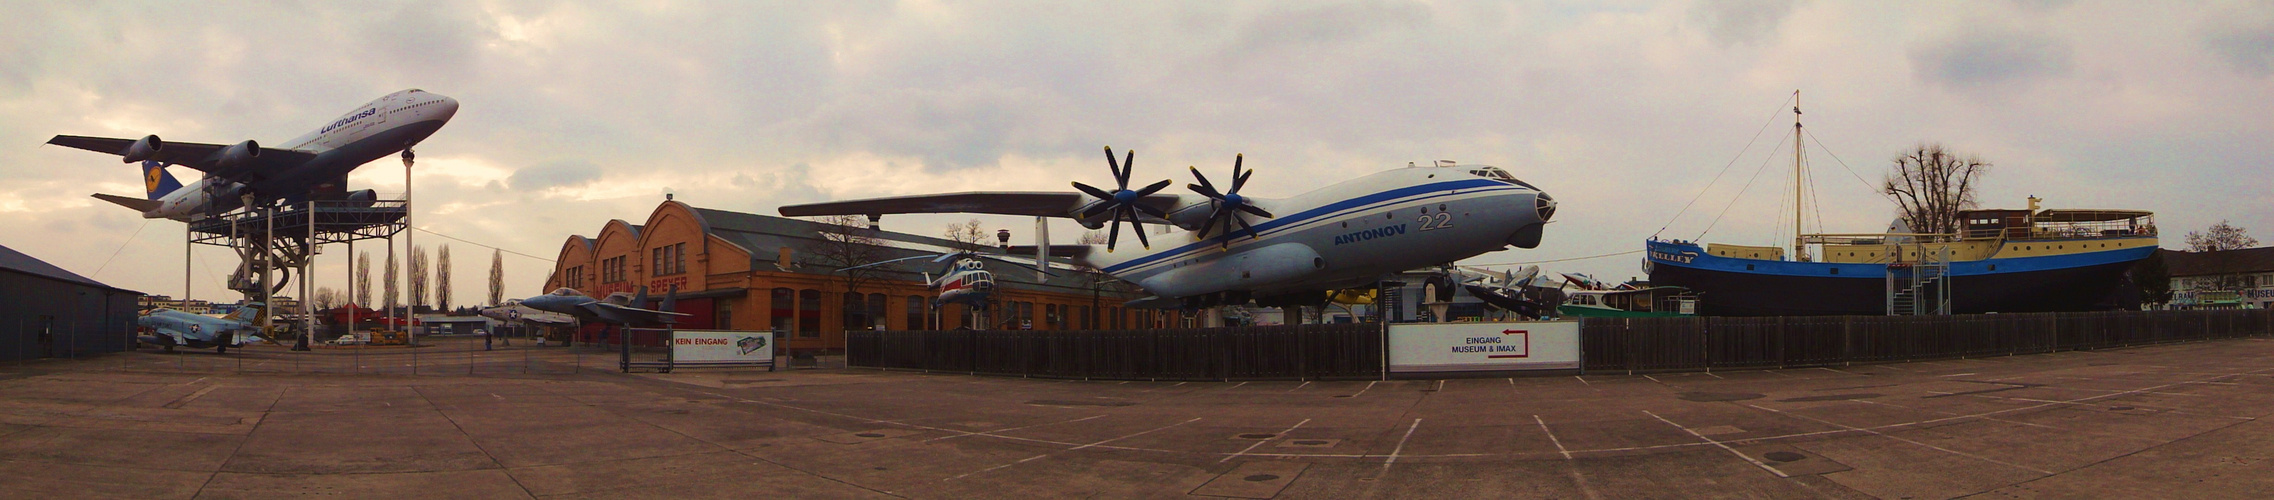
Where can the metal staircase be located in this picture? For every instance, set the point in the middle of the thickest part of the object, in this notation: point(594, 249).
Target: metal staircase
point(1919, 287)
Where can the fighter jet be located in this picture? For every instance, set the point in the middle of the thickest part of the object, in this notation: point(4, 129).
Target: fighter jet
point(171, 328)
point(617, 309)
point(514, 312)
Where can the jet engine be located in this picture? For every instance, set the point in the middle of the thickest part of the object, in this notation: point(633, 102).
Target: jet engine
point(238, 155)
point(362, 197)
point(143, 149)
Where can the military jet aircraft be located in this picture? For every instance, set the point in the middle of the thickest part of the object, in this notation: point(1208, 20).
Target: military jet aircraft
point(1280, 252)
point(170, 328)
point(616, 309)
point(514, 312)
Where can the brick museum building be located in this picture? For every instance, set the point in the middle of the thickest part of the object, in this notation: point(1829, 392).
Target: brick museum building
point(742, 271)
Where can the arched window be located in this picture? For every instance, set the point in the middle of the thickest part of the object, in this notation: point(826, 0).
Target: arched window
point(856, 311)
point(782, 315)
point(809, 313)
point(916, 316)
point(876, 311)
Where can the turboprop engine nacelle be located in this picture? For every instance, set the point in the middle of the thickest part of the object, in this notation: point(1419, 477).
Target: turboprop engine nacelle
point(143, 149)
point(238, 155)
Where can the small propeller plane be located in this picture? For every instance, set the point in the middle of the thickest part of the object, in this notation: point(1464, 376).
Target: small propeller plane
point(170, 328)
point(1279, 252)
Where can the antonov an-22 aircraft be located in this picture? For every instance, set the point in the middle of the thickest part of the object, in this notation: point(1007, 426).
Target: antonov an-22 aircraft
point(314, 165)
point(1280, 252)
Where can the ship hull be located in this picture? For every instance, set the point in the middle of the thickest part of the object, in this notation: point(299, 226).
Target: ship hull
point(1747, 287)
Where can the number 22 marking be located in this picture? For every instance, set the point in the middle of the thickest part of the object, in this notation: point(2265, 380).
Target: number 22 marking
point(1439, 221)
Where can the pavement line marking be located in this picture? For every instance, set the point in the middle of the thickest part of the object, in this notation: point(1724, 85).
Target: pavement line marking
point(1512, 381)
point(992, 432)
point(1260, 442)
point(1710, 374)
point(1654, 379)
point(1394, 452)
point(1369, 387)
point(1440, 385)
point(1733, 451)
point(1551, 437)
point(1898, 438)
point(2166, 409)
point(921, 426)
point(185, 400)
point(1583, 380)
point(1077, 448)
point(1956, 374)
point(1306, 383)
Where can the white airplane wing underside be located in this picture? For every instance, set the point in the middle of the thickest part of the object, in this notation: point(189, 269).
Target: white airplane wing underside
point(194, 155)
point(1042, 204)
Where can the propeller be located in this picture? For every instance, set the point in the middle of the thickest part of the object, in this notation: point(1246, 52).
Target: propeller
point(1122, 202)
point(1228, 204)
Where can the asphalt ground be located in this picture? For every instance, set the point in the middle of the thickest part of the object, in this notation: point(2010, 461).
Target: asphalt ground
point(2169, 421)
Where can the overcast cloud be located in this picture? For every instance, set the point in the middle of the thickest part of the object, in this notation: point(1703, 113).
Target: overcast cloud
point(576, 113)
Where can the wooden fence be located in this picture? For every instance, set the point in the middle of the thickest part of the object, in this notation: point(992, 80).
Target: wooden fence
point(1633, 345)
point(1305, 352)
point(1607, 345)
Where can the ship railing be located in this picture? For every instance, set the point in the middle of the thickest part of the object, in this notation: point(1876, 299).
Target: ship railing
point(1874, 238)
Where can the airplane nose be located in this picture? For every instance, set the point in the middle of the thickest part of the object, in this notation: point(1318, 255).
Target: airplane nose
point(1544, 206)
point(449, 107)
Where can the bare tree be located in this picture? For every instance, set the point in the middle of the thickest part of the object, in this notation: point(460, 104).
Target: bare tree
point(1931, 184)
point(418, 278)
point(846, 241)
point(362, 280)
point(2221, 236)
point(389, 287)
point(442, 278)
point(968, 236)
point(497, 277)
point(324, 299)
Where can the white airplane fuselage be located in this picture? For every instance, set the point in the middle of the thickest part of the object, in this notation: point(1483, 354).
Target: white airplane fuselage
point(377, 129)
point(1345, 235)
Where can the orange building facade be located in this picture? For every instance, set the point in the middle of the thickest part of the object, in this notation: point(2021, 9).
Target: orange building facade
point(741, 271)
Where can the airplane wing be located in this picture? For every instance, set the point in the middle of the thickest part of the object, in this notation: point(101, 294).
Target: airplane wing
point(138, 204)
point(193, 155)
point(1044, 204)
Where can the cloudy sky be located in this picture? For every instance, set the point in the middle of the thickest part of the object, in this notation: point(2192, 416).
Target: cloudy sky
point(576, 113)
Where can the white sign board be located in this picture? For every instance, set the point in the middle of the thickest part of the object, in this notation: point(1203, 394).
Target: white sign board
point(720, 347)
point(1459, 347)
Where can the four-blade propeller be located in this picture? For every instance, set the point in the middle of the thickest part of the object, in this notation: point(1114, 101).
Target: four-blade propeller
point(1228, 204)
point(1123, 203)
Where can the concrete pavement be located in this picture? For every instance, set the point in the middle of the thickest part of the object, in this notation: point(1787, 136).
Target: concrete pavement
point(2181, 420)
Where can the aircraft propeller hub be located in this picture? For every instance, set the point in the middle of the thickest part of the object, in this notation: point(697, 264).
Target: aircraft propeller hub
point(1125, 196)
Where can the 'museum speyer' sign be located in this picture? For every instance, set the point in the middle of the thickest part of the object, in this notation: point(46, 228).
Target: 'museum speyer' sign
point(699, 347)
point(1455, 347)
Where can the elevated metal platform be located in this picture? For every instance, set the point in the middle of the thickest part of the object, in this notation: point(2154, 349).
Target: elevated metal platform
point(315, 222)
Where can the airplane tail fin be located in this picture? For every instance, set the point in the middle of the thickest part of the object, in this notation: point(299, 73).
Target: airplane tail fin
point(671, 304)
point(157, 181)
point(138, 204)
point(639, 300)
point(249, 312)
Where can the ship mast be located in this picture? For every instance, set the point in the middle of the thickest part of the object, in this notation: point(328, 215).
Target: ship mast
point(1799, 243)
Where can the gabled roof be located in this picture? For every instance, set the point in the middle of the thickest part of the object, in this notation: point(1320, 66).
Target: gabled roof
point(12, 260)
point(2244, 261)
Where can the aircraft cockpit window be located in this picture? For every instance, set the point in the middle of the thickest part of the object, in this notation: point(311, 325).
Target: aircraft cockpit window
point(1499, 175)
point(564, 292)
